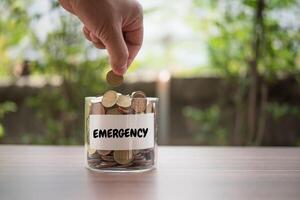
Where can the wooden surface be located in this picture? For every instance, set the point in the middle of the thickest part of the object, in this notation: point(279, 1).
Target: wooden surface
point(42, 173)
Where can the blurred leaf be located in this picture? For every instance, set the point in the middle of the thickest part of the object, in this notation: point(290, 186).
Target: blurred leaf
point(279, 111)
point(1, 131)
point(7, 107)
point(206, 3)
point(208, 123)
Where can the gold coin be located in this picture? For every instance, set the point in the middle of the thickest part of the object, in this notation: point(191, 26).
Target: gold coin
point(138, 94)
point(109, 99)
point(91, 151)
point(139, 105)
point(97, 109)
point(103, 152)
point(114, 79)
point(113, 111)
point(126, 111)
point(123, 157)
point(105, 164)
point(109, 158)
point(124, 166)
point(135, 152)
point(124, 101)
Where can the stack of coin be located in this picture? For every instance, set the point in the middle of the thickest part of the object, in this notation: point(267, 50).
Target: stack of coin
point(126, 159)
point(113, 103)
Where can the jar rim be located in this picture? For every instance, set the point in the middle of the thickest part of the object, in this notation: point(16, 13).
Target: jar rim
point(148, 98)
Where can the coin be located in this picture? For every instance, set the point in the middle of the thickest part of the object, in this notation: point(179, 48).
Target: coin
point(125, 111)
point(139, 105)
point(93, 161)
point(139, 101)
point(138, 94)
point(109, 99)
point(135, 152)
point(107, 158)
point(149, 108)
point(113, 103)
point(148, 156)
point(103, 152)
point(113, 111)
point(92, 151)
point(124, 101)
point(125, 165)
point(139, 157)
point(143, 163)
point(123, 157)
point(97, 109)
point(104, 164)
point(114, 79)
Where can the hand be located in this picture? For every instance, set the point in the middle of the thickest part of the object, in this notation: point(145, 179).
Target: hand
point(115, 25)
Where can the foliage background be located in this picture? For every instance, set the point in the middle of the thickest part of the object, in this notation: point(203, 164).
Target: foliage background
point(250, 44)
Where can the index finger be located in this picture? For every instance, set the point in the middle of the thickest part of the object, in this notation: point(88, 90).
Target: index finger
point(134, 40)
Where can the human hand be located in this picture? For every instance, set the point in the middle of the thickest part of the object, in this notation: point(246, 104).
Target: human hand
point(115, 25)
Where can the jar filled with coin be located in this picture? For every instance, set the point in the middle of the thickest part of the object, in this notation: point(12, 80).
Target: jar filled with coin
point(121, 132)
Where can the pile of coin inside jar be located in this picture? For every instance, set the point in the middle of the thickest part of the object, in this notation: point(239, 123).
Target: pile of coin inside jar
point(113, 103)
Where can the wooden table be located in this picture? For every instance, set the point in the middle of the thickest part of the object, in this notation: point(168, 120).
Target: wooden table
point(46, 172)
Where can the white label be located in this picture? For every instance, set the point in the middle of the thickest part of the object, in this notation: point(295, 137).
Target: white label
point(121, 132)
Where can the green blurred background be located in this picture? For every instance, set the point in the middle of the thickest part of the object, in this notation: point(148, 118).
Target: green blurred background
point(226, 72)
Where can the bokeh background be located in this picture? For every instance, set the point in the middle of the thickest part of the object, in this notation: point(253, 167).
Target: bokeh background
point(226, 72)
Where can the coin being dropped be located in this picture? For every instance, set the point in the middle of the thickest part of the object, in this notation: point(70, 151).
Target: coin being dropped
point(97, 109)
point(103, 152)
point(109, 99)
point(114, 79)
point(124, 101)
point(123, 157)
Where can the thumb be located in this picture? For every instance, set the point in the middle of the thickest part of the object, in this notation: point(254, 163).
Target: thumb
point(117, 50)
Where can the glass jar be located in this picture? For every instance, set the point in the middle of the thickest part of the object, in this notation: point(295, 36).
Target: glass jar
point(120, 139)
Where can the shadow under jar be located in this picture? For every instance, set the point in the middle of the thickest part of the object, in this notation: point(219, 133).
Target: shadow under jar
point(121, 137)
